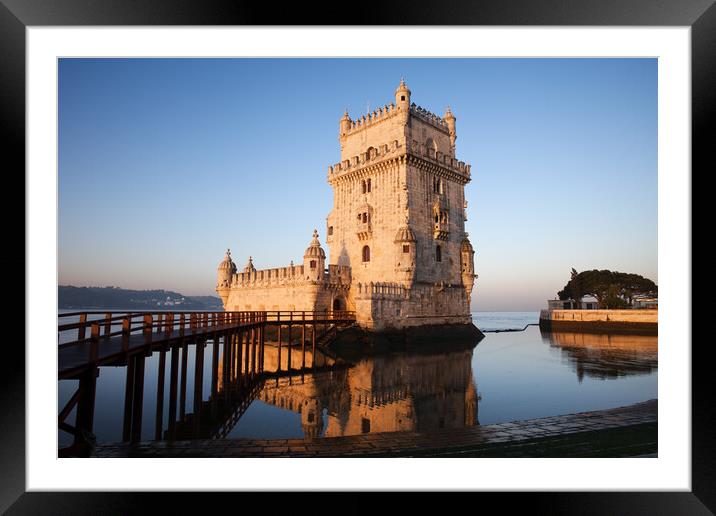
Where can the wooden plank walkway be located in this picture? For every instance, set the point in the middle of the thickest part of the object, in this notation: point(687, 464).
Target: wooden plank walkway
point(112, 349)
point(464, 441)
point(139, 336)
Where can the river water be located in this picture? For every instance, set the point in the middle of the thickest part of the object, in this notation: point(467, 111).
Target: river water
point(508, 376)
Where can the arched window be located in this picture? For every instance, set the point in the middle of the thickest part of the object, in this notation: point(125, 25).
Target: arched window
point(363, 186)
point(330, 230)
point(438, 254)
point(366, 253)
point(368, 184)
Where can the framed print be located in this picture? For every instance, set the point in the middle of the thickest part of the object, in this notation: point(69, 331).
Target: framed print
point(446, 248)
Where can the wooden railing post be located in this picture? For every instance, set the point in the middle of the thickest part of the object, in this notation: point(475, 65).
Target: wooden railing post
point(94, 345)
point(107, 323)
point(148, 321)
point(126, 331)
point(81, 328)
point(159, 323)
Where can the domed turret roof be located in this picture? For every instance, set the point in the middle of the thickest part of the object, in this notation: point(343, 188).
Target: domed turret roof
point(227, 263)
point(402, 87)
point(250, 266)
point(314, 250)
point(466, 245)
point(405, 234)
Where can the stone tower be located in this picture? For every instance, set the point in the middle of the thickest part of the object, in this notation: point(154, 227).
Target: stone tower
point(398, 217)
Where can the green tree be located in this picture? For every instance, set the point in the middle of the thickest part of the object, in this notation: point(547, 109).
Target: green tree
point(611, 289)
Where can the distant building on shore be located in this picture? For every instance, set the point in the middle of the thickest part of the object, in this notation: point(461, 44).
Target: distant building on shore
point(571, 304)
point(399, 255)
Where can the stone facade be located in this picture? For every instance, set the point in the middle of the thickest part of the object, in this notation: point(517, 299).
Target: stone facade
point(398, 252)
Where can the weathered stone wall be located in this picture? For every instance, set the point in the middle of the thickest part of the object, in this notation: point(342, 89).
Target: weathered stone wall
point(624, 320)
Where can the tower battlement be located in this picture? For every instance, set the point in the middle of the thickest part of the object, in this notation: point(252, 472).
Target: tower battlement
point(379, 154)
point(425, 115)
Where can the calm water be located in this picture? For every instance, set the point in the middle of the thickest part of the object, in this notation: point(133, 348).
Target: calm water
point(506, 377)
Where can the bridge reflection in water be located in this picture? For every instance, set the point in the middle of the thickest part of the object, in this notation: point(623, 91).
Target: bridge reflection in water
point(199, 388)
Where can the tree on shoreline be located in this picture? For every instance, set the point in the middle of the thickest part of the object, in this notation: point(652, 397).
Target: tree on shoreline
point(611, 289)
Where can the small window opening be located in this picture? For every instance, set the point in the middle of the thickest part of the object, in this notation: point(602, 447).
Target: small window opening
point(313, 264)
point(330, 230)
point(406, 248)
point(438, 254)
point(366, 253)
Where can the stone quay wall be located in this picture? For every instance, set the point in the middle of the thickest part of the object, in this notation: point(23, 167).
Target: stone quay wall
point(601, 320)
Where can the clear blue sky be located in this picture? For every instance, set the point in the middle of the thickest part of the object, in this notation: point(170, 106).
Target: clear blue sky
point(163, 164)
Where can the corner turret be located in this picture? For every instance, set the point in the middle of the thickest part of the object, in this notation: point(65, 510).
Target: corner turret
point(402, 95)
point(405, 243)
point(225, 272)
point(344, 127)
point(402, 101)
point(467, 263)
point(314, 259)
point(450, 121)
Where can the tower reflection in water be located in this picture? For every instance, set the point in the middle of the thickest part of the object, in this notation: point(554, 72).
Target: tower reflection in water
point(393, 393)
point(606, 355)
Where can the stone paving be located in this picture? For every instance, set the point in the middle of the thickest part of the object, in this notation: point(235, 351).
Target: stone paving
point(395, 444)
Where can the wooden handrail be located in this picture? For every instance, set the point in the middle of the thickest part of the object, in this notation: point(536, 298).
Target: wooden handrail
point(145, 321)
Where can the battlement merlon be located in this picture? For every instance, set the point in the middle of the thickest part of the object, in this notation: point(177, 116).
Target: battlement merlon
point(417, 153)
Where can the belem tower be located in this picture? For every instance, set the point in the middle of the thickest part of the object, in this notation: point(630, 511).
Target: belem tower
point(398, 253)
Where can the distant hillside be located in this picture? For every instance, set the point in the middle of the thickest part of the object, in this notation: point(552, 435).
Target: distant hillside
point(119, 298)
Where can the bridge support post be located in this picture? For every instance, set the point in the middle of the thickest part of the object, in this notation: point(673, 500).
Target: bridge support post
point(247, 336)
point(173, 379)
point(288, 343)
point(215, 366)
point(138, 398)
point(128, 399)
point(303, 344)
point(254, 342)
point(182, 387)
point(313, 346)
point(198, 382)
point(261, 352)
point(278, 367)
point(84, 420)
point(159, 425)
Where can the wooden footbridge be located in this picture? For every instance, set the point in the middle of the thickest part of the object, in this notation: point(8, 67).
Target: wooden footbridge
point(90, 340)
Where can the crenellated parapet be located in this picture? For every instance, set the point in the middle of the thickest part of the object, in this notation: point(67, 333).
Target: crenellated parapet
point(393, 153)
point(370, 119)
point(293, 275)
point(431, 118)
point(371, 156)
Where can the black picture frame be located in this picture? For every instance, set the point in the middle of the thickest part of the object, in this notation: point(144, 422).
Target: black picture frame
point(17, 15)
